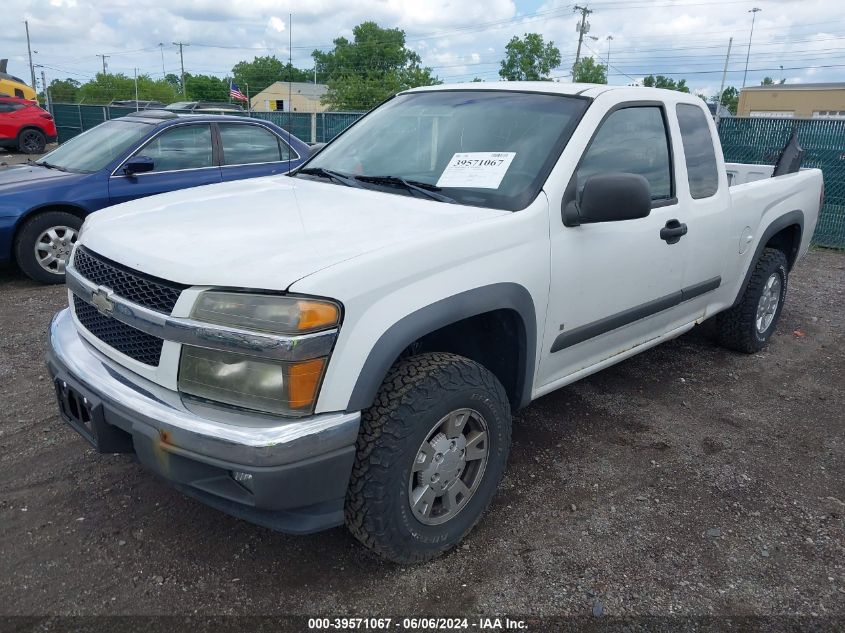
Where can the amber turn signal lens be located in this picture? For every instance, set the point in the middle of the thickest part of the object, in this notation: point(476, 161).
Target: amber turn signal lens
point(303, 380)
point(314, 315)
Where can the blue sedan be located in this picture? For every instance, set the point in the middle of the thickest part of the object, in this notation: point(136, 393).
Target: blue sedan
point(43, 204)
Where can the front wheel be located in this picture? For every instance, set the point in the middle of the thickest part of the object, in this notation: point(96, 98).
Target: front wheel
point(747, 326)
point(44, 243)
point(431, 452)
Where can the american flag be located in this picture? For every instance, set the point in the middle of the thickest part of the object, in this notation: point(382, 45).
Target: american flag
point(235, 93)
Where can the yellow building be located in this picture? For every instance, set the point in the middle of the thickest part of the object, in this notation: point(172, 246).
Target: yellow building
point(284, 96)
point(799, 101)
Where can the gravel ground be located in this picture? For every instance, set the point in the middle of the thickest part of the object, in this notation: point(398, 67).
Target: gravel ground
point(685, 481)
point(15, 158)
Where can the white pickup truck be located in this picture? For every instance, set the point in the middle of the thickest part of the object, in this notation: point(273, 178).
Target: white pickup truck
point(347, 343)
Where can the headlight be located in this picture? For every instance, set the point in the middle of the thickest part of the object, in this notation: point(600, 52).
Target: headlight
point(266, 313)
point(249, 382)
point(253, 382)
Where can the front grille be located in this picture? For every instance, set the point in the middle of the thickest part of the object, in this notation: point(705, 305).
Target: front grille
point(150, 292)
point(125, 339)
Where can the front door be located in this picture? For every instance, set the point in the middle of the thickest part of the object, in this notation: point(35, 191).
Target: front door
point(182, 157)
point(614, 285)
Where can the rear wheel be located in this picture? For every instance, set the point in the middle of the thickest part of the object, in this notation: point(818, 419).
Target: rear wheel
point(431, 452)
point(44, 243)
point(32, 141)
point(748, 325)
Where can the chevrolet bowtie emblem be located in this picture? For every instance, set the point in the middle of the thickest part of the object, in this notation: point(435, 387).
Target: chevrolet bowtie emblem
point(100, 300)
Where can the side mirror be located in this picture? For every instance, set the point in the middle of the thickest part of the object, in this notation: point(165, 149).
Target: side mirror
point(316, 147)
point(608, 198)
point(138, 165)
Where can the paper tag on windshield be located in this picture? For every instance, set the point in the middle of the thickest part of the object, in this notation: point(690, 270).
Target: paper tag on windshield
point(481, 170)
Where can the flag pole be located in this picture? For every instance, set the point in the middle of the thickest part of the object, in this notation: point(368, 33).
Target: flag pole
point(248, 102)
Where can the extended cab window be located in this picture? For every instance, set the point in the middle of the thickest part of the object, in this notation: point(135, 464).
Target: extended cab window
point(698, 150)
point(631, 140)
point(245, 143)
point(183, 147)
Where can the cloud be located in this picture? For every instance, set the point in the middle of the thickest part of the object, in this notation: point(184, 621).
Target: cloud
point(276, 24)
point(460, 40)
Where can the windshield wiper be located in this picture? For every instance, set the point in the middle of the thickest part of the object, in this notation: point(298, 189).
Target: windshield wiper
point(426, 189)
point(349, 181)
point(49, 165)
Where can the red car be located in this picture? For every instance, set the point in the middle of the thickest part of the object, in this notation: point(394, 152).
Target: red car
point(25, 126)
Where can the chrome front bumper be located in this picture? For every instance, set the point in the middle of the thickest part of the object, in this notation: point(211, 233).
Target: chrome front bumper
point(294, 463)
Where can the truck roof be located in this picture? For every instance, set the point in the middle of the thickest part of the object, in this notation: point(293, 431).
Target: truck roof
point(586, 90)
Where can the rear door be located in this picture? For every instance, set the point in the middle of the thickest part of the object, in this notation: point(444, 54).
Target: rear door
point(706, 202)
point(249, 150)
point(10, 121)
point(183, 157)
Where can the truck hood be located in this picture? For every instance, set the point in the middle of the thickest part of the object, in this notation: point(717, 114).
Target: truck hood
point(264, 233)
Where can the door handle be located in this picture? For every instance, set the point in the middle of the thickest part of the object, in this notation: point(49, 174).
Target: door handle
point(673, 232)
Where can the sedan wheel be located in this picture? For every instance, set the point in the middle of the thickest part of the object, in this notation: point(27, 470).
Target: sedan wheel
point(52, 249)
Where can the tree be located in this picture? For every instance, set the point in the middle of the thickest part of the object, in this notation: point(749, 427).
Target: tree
point(262, 72)
point(373, 66)
point(529, 59)
point(206, 88)
point(64, 90)
point(730, 98)
point(768, 81)
point(587, 71)
point(665, 82)
point(107, 87)
point(175, 81)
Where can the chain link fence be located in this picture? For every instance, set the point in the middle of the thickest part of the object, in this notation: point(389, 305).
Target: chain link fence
point(760, 140)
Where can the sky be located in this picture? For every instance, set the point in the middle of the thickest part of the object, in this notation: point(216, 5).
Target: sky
point(459, 40)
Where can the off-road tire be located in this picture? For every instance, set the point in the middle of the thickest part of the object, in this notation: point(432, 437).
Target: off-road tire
point(417, 393)
point(29, 233)
point(736, 328)
point(31, 141)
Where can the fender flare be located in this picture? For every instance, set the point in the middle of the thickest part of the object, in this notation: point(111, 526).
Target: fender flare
point(499, 296)
point(777, 225)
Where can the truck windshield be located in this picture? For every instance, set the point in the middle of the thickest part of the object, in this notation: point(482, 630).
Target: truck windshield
point(475, 147)
point(96, 148)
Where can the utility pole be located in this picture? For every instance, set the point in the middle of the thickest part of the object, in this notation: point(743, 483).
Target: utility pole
point(163, 71)
point(29, 50)
point(582, 28)
point(609, 40)
point(753, 13)
point(722, 87)
point(182, 62)
point(46, 89)
point(104, 62)
point(136, 90)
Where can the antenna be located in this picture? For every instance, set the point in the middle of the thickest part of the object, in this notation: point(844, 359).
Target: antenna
point(290, 86)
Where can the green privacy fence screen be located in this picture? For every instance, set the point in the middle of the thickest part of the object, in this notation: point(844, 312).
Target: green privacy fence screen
point(759, 140)
point(311, 127)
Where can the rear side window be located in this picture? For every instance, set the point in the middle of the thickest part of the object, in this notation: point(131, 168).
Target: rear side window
point(631, 140)
point(245, 144)
point(698, 150)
